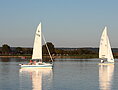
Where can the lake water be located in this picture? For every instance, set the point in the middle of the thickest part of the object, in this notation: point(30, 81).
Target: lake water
point(66, 75)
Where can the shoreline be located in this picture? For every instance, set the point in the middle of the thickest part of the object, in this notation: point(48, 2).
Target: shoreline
point(13, 56)
point(54, 57)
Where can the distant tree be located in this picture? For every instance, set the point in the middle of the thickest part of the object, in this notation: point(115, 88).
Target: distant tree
point(59, 51)
point(19, 50)
point(50, 47)
point(6, 49)
point(85, 51)
point(27, 50)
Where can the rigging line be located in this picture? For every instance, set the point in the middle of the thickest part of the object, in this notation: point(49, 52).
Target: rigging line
point(47, 47)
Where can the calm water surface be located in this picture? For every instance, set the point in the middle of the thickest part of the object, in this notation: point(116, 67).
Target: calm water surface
point(66, 75)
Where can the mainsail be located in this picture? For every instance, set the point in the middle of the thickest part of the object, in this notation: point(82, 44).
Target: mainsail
point(37, 49)
point(105, 48)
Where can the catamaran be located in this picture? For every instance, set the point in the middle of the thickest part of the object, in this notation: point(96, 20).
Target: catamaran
point(36, 61)
point(105, 52)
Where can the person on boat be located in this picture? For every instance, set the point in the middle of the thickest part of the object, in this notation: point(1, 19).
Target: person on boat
point(102, 61)
point(34, 62)
point(30, 63)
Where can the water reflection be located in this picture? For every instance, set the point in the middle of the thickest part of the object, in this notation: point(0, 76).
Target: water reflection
point(5, 59)
point(35, 79)
point(106, 76)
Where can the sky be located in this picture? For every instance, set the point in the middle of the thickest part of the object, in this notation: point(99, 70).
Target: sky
point(65, 23)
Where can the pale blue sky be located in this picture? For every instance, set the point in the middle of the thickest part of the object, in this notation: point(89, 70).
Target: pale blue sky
point(65, 23)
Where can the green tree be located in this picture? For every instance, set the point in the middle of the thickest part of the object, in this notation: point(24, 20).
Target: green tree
point(27, 50)
point(19, 50)
point(59, 51)
point(85, 51)
point(6, 49)
point(50, 47)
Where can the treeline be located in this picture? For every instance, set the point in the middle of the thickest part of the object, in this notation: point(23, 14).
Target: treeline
point(7, 50)
point(56, 52)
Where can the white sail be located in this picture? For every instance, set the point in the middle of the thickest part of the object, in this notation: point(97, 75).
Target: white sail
point(105, 48)
point(37, 49)
point(110, 55)
point(103, 45)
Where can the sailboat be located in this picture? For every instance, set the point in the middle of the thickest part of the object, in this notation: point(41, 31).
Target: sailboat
point(105, 52)
point(36, 61)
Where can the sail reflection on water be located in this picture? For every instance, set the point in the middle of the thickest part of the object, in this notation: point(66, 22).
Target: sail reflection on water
point(106, 76)
point(35, 79)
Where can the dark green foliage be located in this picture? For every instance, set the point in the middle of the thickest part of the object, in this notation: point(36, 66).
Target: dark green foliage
point(6, 49)
point(19, 50)
point(50, 47)
point(63, 52)
point(85, 51)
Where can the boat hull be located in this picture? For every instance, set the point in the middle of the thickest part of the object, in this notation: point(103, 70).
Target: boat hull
point(105, 63)
point(43, 66)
